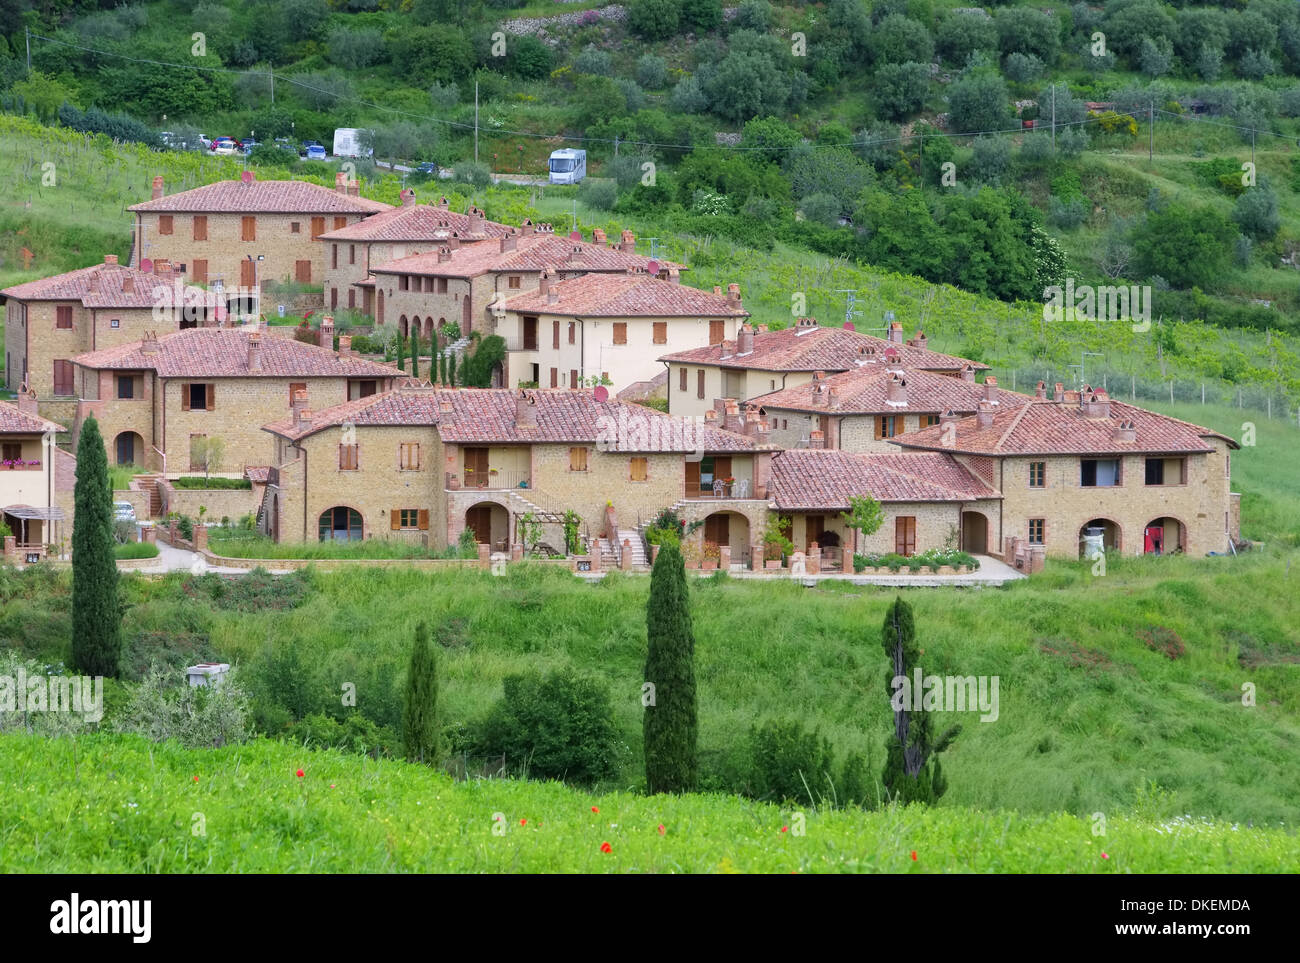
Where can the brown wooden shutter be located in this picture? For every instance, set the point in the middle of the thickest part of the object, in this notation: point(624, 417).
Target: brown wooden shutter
point(302, 272)
point(661, 332)
point(340, 223)
point(699, 388)
point(682, 386)
point(63, 316)
point(248, 226)
point(572, 326)
point(394, 518)
point(334, 256)
point(555, 377)
point(620, 332)
point(573, 377)
point(317, 227)
point(164, 223)
point(199, 271)
point(185, 396)
point(212, 396)
point(424, 519)
point(200, 227)
point(717, 331)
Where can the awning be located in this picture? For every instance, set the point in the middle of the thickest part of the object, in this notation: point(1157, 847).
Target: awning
point(49, 514)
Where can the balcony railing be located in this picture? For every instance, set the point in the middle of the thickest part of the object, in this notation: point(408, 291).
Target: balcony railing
point(20, 465)
point(740, 488)
point(491, 480)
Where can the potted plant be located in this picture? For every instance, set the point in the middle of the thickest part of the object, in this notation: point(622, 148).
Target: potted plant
point(710, 556)
point(776, 544)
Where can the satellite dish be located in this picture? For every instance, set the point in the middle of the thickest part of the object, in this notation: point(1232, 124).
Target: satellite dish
point(246, 177)
point(575, 235)
point(146, 265)
point(652, 266)
point(601, 393)
point(849, 326)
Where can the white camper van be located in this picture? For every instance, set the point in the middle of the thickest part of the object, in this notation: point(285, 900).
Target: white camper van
point(347, 143)
point(568, 166)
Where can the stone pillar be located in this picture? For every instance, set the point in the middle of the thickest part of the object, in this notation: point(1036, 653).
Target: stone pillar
point(484, 555)
point(756, 558)
point(200, 537)
point(724, 558)
point(148, 534)
point(595, 558)
point(654, 554)
point(516, 552)
point(11, 547)
point(626, 555)
point(171, 531)
point(815, 561)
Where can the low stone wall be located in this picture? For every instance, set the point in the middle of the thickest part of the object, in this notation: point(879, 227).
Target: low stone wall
point(232, 503)
point(136, 564)
point(333, 564)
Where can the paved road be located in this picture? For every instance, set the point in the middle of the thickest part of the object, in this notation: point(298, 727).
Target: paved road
point(172, 559)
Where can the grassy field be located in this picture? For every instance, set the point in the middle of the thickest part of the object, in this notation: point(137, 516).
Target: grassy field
point(240, 544)
point(120, 805)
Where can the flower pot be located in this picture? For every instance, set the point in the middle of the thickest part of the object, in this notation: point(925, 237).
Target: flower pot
point(773, 564)
point(709, 565)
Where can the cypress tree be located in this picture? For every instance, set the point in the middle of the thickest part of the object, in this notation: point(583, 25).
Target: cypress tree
point(96, 612)
point(415, 353)
point(451, 369)
point(421, 721)
point(670, 724)
point(401, 354)
point(441, 362)
point(912, 772)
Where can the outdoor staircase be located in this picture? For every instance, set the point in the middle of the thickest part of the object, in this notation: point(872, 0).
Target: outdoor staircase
point(611, 551)
point(149, 485)
point(522, 506)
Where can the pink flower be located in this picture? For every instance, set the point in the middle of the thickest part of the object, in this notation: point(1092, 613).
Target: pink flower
point(1104, 856)
point(661, 829)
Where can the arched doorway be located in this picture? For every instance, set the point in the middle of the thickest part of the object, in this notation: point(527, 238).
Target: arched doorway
point(490, 524)
point(401, 325)
point(341, 524)
point(129, 448)
point(730, 529)
point(498, 375)
point(974, 533)
point(1108, 531)
point(1163, 536)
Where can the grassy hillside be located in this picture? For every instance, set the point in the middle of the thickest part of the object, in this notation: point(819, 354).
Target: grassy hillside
point(120, 805)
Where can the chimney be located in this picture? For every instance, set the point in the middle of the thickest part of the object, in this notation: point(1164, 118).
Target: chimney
point(896, 332)
point(817, 439)
point(804, 325)
point(552, 295)
point(832, 396)
point(453, 242)
point(949, 417)
point(745, 340)
point(149, 343)
point(341, 182)
point(525, 410)
point(327, 333)
point(628, 245)
point(443, 203)
point(1125, 432)
point(110, 258)
point(345, 345)
point(1097, 404)
point(1040, 390)
point(544, 282)
point(478, 221)
point(673, 276)
point(919, 341)
point(733, 296)
point(162, 266)
point(509, 242)
point(732, 420)
point(525, 228)
point(897, 391)
point(762, 329)
point(27, 403)
point(408, 197)
point(1058, 393)
point(991, 389)
point(984, 417)
point(598, 236)
point(254, 351)
point(717, 290)
point(763, 433)
point(968, 373)
point(444, 254)
point(128, 284)
point(157, 187)
point(710, 416)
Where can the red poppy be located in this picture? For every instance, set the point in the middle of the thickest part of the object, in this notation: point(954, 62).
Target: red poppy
point(196, 778)
point(914, 855)
point(523, 822)
point(299, 773)
point(661, 829)
point(1104, 856)
point(594, 809)
point(606, 848)
point(784, 828)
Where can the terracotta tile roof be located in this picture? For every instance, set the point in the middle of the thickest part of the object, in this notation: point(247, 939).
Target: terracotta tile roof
point(488, 416)
point(418, 222)
point(816, 348)
point(624, 296)
point(532, 252)
point(258, 474)
point(823, 480)
point(1046, 427)
point(106, 286)
point(223, 353)
point(865, 391)
point(15, 422)
point(262, 197)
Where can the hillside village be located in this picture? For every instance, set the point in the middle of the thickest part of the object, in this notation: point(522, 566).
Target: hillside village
point(567, 452)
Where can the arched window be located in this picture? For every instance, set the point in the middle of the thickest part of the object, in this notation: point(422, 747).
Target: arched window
point(340, 524)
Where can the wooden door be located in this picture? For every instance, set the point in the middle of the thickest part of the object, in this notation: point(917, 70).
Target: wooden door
point(479, 520)
point(247, 273)
point(814, 528)
point(717, 529)
point(721, 467)
point(476, 468)
point(905, 535)
point(692, 479)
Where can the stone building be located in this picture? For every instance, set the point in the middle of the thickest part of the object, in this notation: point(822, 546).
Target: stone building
point(761, 362)
point(36, 481)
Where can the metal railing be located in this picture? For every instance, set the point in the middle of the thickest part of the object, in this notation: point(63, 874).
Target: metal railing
point(494, 480)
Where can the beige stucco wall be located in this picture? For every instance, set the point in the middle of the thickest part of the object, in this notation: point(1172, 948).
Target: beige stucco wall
point(27, 485)
point(741, 384)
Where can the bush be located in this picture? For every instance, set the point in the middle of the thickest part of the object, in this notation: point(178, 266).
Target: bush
point(560, 726)
point(185, 527)
point(655, 19)
point(1022, 68)
point(1067, 214)
point(900, 89)
point(787, 763)
point(592, 60)
point(136, 550)
point(600, 194)
point(164, 706)
point(978, 101)
point(355, 733)
point(701, 15)
point(225, 484)
point(651, 72)
point(474, 173)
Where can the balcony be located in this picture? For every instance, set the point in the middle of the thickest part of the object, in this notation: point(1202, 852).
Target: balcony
point(740, 488)
point(491, 480)
point(19, 464)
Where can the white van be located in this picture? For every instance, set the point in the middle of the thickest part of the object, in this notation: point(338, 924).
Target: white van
point(347, 142)
point(568, 166)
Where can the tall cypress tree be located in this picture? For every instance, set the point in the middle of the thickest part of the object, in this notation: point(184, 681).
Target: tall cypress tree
point(96, 612)
point(671, 724)
point(401, 353)
point(441, 361)
point(451, 369)
point(421, 719)
point(415, 352)
point(912, 772)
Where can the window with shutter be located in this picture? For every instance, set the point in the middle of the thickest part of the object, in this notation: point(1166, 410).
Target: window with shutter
point(210, 396)
point(334, 298)
point(248, 228)
point(63, 316)
point(681, 379)
point(352, 298)
point(577, 459)
point(572, 331)
point(717, 331)
point(555, 334)
point(340, 223)
point(573, 377)
point(699, 385)
point(200, 227)
point(555, 377)
point(317, 227)
point(620, 332)
point(199, 271)
point(409, 457)
point(334, 256)
point(660, 334)
point(352, 254)
point(349, 457)
point(63, 378)
point(164, 224)
point(639, 469)
point(302, 271)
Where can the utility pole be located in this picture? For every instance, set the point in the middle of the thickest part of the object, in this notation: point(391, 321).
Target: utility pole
point(851, 302)
point(476, 122)
point(1252, 147)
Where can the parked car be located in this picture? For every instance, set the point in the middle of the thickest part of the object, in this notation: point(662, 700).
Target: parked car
point(124, 511)
point(225, 145)
point(316, 152)
point(168, 138)
point(284, 143)
point(308, 145)
point(428, 167)
point(250, 144)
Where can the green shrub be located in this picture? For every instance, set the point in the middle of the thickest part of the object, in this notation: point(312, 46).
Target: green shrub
point(199, 482)
point(164, 706)
point(136, 550)
point(560, 726)
point(788, 763)
point(355, 733)
point(600, 194)
point(185, 526)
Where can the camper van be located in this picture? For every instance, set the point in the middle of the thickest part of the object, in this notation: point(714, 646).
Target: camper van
point(348, 141)
point(568, 166)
